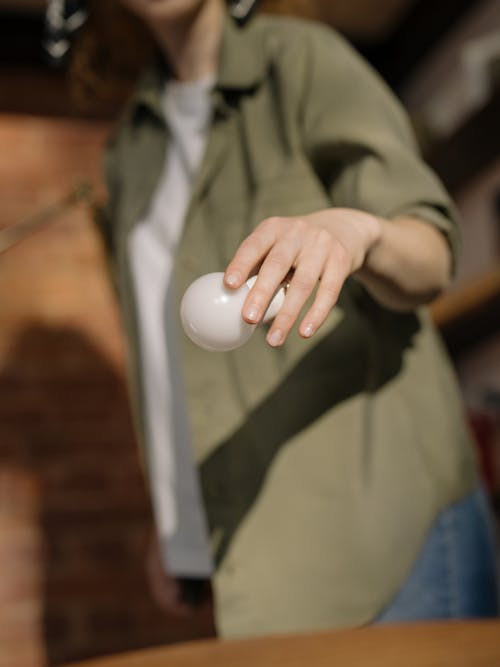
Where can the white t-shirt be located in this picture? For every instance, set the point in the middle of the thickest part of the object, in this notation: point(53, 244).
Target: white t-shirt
point(178, 509)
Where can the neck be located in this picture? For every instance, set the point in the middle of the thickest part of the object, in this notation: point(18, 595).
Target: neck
point(191, 44)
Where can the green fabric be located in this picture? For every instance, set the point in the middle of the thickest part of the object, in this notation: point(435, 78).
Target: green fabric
point(322, 463)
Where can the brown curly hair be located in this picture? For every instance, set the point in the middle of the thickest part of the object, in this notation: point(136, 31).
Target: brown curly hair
point(114, 45)
point(107, 56)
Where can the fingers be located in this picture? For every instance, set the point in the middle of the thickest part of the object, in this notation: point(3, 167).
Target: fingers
point(331, 283)
point(304, 281)
point(281, 245)
point(331, 273)
point(273, 271)
point(252, 251)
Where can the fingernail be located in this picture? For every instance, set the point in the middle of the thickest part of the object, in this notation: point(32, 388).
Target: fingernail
point(231, 279)
point(252, 313)
point(308, 331)
point(275, 338)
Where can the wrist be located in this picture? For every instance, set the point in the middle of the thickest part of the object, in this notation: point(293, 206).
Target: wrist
point(371, 230)
point(374, 231)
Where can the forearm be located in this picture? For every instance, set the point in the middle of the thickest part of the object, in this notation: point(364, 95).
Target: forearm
point(408, 265)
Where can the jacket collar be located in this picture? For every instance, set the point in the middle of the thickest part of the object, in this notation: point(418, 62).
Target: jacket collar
point(241, 66)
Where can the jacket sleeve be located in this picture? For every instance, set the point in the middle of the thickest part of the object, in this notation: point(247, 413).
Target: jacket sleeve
point(360, 141)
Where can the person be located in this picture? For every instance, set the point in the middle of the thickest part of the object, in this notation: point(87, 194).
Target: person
point(336, 478)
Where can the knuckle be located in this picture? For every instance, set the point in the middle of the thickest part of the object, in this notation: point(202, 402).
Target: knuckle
point(260, 293)
point(285, 319)
point(323, 237)
point(320, 311)
point(329, 290)
point(271, 222)
point(304, 282)
point(300, 225)
point(341, 253)
point(277, 259)
point(249, 246)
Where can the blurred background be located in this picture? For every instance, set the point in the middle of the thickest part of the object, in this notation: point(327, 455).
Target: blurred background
point(74, 515)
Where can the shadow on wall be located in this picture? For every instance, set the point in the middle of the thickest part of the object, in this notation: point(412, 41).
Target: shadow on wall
point(64, 420)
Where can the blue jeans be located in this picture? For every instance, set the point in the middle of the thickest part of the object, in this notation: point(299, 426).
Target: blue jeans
point(455, 575)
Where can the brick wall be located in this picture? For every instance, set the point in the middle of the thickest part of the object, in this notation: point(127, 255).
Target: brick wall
point(21, 565)
point(65, 423)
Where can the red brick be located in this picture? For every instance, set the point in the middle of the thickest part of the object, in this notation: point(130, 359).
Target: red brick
point(64, 411)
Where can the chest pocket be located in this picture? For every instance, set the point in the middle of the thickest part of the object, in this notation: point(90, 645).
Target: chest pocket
point(269, 171)
point(296, 191)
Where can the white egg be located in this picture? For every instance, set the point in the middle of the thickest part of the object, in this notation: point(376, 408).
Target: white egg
point(211, 313)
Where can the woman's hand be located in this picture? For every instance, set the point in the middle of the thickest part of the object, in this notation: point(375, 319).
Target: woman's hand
point(403, 263)
point(321, 249)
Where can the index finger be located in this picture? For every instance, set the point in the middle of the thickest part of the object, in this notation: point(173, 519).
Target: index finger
point(251, 252)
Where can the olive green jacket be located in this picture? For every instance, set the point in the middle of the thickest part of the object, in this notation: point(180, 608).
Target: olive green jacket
point(324, 462)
